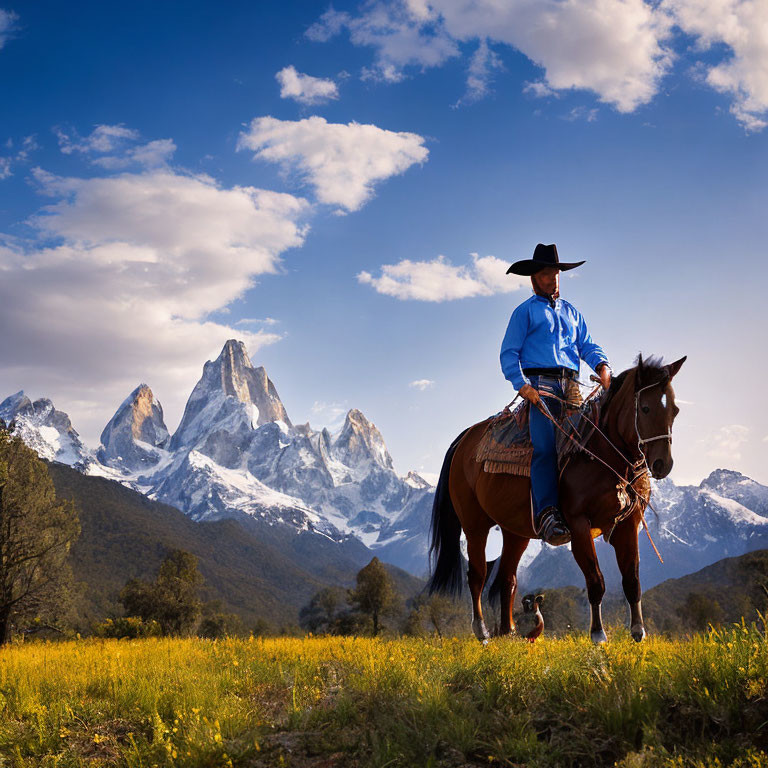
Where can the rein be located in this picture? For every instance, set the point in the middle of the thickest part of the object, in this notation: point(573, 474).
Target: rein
point(542, 406)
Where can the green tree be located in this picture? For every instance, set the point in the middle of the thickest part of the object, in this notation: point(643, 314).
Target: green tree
point(216, 622)
point(36, 532)
point(172, 599)
point(435, 613)
point(321, 613)
point(374, 594)
point(699, 611)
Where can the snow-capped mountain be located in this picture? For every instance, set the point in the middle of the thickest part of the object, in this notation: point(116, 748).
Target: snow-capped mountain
point(236, 453)
point(735, 486)
point(136, 436)
point(725, 515)
point(229, 402)
point(46, 430)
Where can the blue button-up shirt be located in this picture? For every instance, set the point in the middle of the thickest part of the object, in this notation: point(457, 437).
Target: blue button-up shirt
point(542, 336)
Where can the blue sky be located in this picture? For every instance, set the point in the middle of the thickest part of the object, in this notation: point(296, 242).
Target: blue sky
point(177, 174)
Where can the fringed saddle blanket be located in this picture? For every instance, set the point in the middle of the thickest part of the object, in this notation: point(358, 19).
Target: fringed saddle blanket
point(505, 447)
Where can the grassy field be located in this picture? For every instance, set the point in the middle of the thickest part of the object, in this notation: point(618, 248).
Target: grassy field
point(369, 702)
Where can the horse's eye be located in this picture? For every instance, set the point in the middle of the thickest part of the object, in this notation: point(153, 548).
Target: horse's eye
point(645, 409)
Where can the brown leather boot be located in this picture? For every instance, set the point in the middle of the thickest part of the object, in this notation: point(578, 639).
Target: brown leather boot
point(552, 527)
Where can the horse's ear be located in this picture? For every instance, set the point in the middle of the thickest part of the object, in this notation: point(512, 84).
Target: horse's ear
point(539, 599)
point(673, 368)
point(639, 371)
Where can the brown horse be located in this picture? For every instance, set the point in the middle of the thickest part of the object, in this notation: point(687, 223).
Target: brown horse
point(636, 416)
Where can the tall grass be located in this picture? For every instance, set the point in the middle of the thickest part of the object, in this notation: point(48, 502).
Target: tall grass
point(406, 702)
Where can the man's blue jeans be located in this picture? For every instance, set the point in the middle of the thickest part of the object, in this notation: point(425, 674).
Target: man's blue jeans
point(544, 472)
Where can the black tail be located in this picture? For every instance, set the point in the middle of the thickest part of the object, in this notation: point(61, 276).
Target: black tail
point(494, 579)
point(444, 548)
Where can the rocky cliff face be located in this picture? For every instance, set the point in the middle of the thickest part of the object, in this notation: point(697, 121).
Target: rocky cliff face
point(737, 487)
point(46, 430)
point(231, 399)
point(236, 453)
point(340, 485)
point(360, 443)
point(136, 436)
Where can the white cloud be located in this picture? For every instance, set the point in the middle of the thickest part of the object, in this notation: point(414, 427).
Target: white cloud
point(581, 113)
point(28, 146)
point(539, 89)
point(618, 49)
point(115, 147)
point(257, 321)
point(153, 154)
point(439, 280)
point(422, 384)
point(402, 33)
point(120, 286)
point(480, 72)
point(329, 415)
point(742, 25)
point(342, 162)
point(8, 21)
point(615, 48)
point(103, 138)
point(725, 444)
point(305, 88)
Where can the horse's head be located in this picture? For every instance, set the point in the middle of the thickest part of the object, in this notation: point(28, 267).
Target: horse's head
point(648, 409)
point(655, 410)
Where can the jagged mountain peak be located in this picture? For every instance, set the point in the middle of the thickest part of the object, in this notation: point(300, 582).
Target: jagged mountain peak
point(13, 404)
point(231, 394)
point(720, 476)
point(131, 439)
point(737, 487)
point(232, 365)
point(237, 377)
point(415, 480)
point(43, 428)
point(360, 440)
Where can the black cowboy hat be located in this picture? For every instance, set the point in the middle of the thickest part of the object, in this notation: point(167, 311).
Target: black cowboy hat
point(544, 256)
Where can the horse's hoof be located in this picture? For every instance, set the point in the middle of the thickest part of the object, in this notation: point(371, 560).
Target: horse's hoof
point(599, 637)
point(638, 633)
point(481, 631)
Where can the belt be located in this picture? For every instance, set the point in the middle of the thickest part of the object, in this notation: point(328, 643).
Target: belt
point(558, 373)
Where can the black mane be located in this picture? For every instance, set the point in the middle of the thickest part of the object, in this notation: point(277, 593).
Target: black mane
point(654, 370)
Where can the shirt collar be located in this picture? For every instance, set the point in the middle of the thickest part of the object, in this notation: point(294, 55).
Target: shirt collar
point(547, 300)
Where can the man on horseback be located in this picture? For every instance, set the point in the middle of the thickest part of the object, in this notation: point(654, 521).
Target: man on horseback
point(545, 340)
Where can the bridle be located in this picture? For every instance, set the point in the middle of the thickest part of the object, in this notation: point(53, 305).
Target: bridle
point(637, 469)
point(641, 441)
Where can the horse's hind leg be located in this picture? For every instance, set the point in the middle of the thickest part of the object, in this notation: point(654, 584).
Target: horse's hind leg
point(511, 552)
point(475, 524)
point(476, 541)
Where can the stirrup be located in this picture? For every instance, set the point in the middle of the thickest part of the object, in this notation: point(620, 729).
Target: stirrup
point(552, 528)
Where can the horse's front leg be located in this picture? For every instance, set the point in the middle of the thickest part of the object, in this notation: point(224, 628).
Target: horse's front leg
point(624, 541)
point(583, 549)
